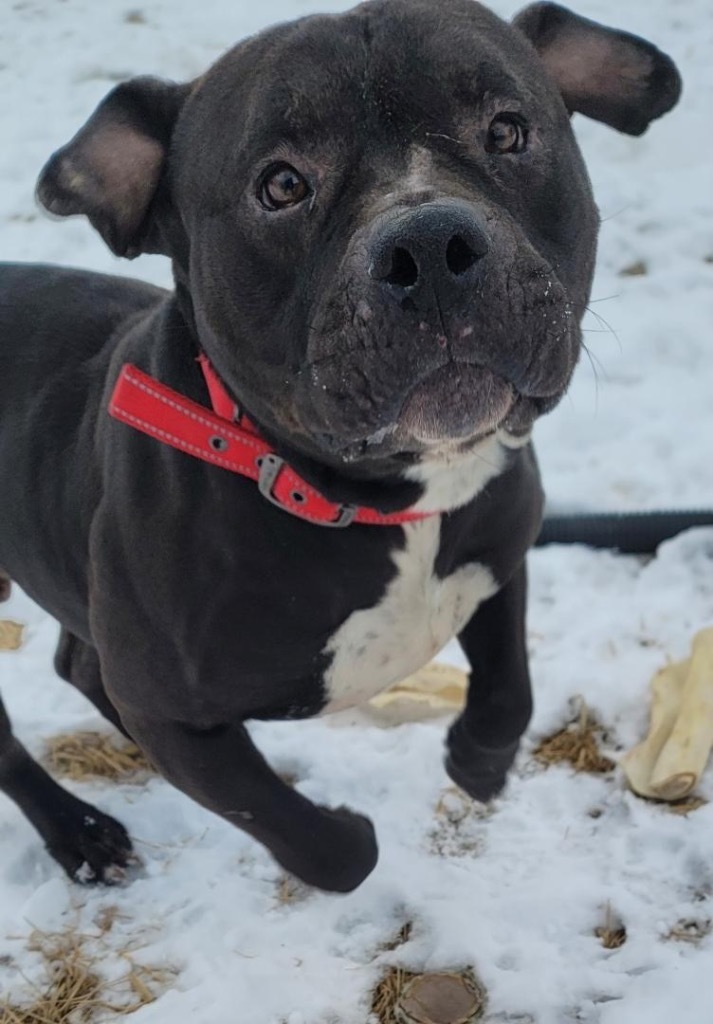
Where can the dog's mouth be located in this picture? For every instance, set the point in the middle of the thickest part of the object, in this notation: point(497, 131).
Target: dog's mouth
point(451, 409)
point(456, 402)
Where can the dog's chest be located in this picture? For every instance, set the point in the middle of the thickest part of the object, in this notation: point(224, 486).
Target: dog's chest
point(416, 616)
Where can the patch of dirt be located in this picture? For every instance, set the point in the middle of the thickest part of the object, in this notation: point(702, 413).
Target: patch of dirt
point(687, 806)
point(405, 997)
point(637, 269)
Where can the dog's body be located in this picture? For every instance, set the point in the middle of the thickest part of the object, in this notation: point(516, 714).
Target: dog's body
point(237, 540)
point(393, 316)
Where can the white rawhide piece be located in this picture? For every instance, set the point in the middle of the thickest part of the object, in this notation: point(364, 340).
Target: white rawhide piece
point(668, 764)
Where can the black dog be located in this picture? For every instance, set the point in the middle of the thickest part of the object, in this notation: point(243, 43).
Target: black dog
point(383, 236)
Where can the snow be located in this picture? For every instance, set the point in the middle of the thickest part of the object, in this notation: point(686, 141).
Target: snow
point(515, 890)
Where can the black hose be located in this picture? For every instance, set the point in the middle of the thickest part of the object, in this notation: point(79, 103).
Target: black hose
point(632, 533)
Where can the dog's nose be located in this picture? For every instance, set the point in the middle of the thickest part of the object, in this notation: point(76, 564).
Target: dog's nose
point(436, 246)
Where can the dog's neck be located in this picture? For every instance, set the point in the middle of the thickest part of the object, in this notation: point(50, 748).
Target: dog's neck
point(421, 483)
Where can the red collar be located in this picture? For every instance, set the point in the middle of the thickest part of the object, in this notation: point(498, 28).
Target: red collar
point(227, 439)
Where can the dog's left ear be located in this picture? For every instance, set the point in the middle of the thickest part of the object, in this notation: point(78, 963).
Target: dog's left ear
point(610, 76)
point(110, 171)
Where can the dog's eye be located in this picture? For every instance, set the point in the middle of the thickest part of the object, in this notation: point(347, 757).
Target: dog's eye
point(282, 186)
point(507, 134)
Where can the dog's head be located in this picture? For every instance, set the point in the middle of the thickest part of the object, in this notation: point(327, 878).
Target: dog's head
point(381, 220)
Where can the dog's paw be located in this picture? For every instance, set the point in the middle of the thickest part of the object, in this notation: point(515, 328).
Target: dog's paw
point(93, 849)
point(478, 770)
point(359, 851)
point(342, 852)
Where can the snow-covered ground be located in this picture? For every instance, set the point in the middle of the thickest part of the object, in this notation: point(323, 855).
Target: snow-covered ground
point(516, 892)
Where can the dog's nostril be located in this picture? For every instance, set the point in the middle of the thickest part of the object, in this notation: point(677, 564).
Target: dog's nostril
point(459, 255)
point(404, 272)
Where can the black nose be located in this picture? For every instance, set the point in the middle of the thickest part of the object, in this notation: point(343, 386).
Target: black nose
point(435, 246)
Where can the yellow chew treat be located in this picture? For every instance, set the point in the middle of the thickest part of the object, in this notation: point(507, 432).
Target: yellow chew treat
point(685, 754)
point(10, 635)
point(432, 692)
point(436, 684)
point(639, 763)
point(441, 686)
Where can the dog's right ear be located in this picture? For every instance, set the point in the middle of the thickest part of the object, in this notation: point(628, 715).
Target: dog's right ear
point(110, 171)
point(611, 76)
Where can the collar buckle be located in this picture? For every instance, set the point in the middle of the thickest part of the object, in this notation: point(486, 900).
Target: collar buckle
point(347, 514)
point(270, 466)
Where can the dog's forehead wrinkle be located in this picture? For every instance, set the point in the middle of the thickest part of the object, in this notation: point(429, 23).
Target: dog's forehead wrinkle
point(387, 61)
point(457, 49)
point(320, 79)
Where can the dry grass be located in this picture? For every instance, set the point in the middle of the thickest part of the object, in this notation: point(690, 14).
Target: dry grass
point(290, 890)
point(611, 938)
point(636, 269)
point(387, 994)
point(577, 744)
point(73, 990)
point(81, 756)
point(401, 937)
point(107, 917)
point(71, 994)
point(692, 931)
point(445, 998)
point(388, 990)
point(612, 934)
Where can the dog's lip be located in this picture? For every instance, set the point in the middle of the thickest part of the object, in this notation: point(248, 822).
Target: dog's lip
point(416, 426)
point(513, 411)
point(458, 401)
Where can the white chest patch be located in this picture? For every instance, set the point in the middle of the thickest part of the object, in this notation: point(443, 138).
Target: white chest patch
point(416, 617)
point(453, 479)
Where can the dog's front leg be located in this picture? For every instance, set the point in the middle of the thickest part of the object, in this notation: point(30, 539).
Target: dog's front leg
point(222, 770)
point(483, 741)
point(90, 846)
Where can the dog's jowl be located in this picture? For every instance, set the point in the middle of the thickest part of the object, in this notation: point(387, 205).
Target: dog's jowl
point(285, 485)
